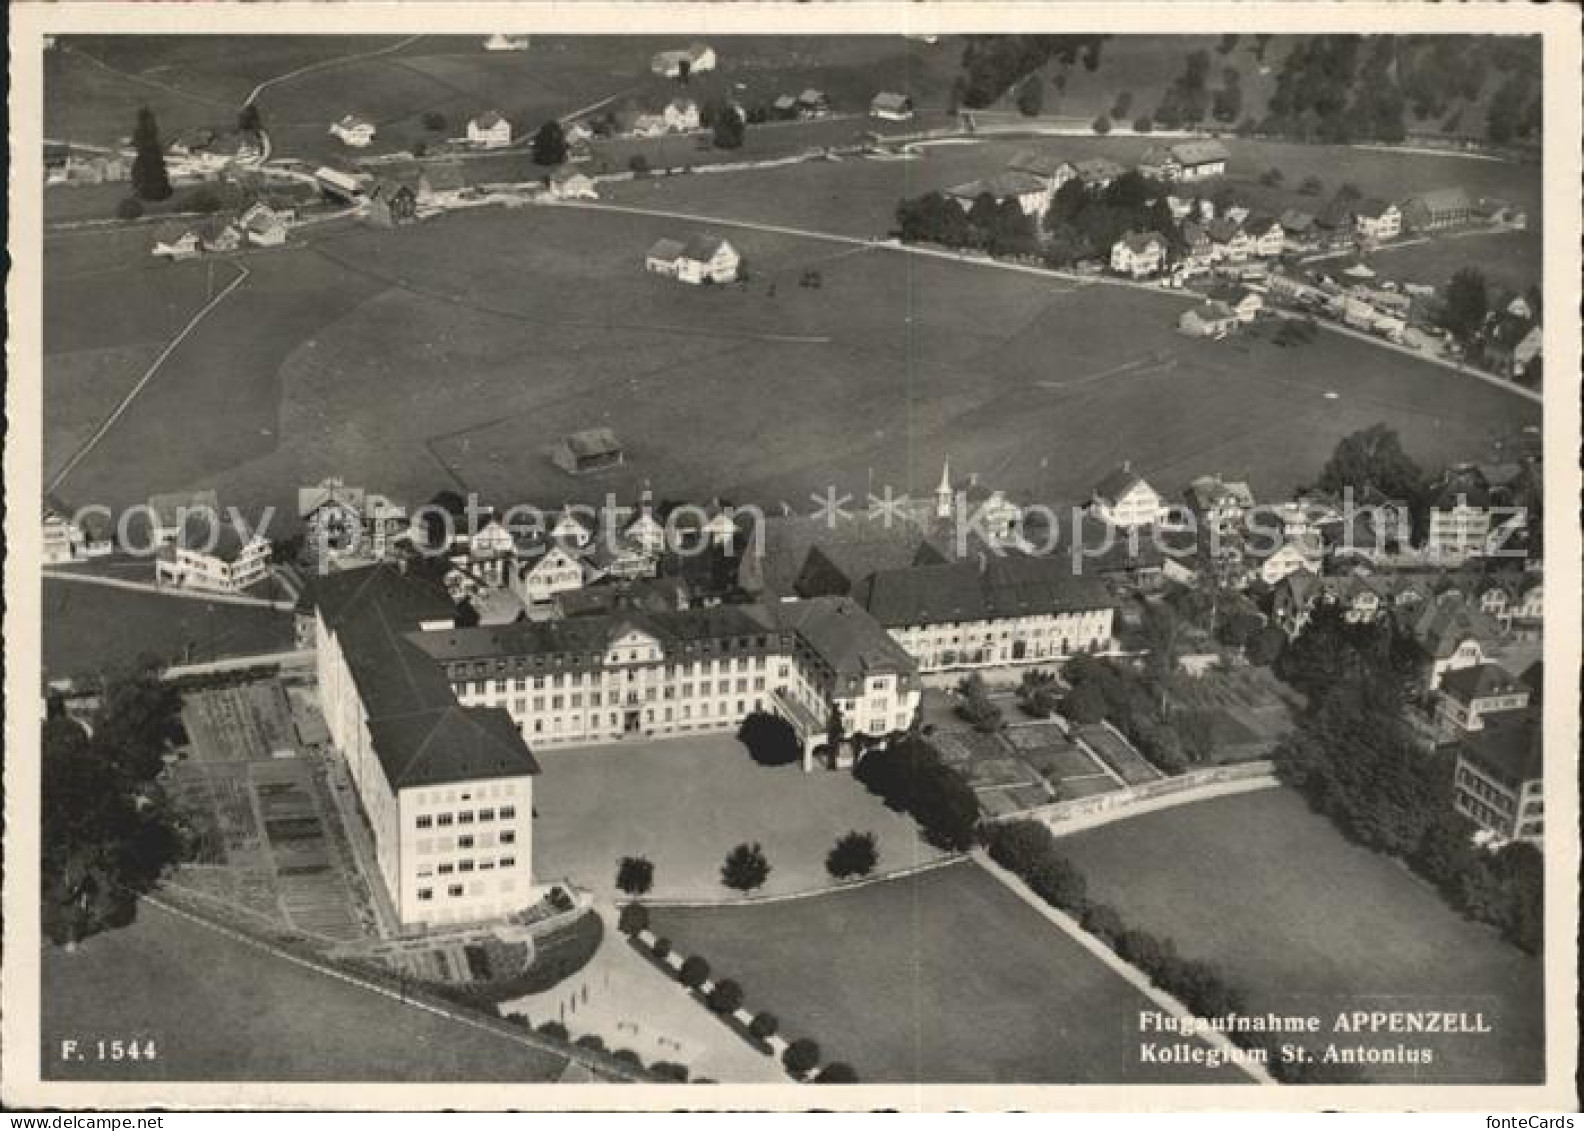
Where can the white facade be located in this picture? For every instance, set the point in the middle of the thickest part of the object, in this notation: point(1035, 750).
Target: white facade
point(1458, 531)
point(1138, 505)
point(353, 131)
point(558, 570)
point(489, 131)
point(218, 573)
point(1005, 640)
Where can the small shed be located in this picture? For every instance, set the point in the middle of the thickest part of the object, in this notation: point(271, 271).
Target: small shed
point(593, 449)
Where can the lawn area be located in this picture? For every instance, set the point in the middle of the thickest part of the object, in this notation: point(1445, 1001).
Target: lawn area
point(941, 977)
point(89, 628)
point(325, 360)
point(685, 802)
point(1309, 924)
point(219, 1010)
point(1510, 261)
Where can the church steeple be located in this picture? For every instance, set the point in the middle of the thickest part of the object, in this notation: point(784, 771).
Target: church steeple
point(943, 493)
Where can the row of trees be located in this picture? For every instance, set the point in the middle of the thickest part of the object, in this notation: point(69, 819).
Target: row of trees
point(746, 868)
point(1028, 850)
point(991, 64)
point(108, 831)
point(725, 997)
point(1355, 760)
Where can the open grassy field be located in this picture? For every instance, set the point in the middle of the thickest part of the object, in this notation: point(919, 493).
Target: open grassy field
point(219, 1010)
point(1510, 261)
point(1310, 924)
point(455, 353)
point(90, 628)
point(944, 976)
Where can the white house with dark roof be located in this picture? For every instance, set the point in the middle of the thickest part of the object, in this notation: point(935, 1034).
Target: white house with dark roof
point(891, 106)
point(1138, 254)
point(1377, 220)
point(1031, 192)
point(1054, 171)
point(543, 568)
point(699, 259)
point(353, 130)
point(1124, 498)
point(211, 554)
point(1198, 160)
point(263, 226)
point(1468, 697)
point(697, 58)
point(682, 114)
point(1499, 783)
point(490, 130)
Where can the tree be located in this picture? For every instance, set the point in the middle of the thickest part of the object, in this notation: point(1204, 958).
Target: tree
point(634, 917)
point(770, 739)
point(853, 855)
point(1084, 704)
point(1312, 186)
point(835, 725)
point(1467, 304)
point(1143, 124)
point(764, 1025)
point(746, 867)
point(638, 165)
point(249, 120)
point(725, 997)
point(730, 128)
point(977, 706)
point(695, 972)
point(1123, 103)
point(909, 775)
point(107, 832)
point(837, 1072)
point(149, 178)
point(1372, 460)
point(801, 1056)
point(1102, 125)
point(1271, 177)
point(635, 875)
point(549, 144)
point(434, 121)
point(1031, 97)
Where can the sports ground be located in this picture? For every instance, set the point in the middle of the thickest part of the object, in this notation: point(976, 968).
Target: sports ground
point(1308, 923)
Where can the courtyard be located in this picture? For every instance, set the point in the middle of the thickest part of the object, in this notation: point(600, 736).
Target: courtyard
point(684, 803)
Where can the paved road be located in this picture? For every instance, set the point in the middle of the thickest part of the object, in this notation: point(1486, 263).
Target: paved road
point(325, 64)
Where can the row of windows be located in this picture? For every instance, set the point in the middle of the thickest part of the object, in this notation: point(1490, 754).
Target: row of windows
point(465, 841)
point(457, 891)
point(575, 723)
point(520, 683)
point(465, 817)
point(482, 669)
point(465, 866)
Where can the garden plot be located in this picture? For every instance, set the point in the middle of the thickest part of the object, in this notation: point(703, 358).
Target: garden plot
point(1116, 752)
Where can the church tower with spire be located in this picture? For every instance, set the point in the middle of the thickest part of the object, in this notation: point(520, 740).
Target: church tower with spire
point(943, 493)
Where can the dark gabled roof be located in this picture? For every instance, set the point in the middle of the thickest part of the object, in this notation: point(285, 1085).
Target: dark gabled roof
point(1449, 620)
point(1118, 482)
point(1373, 207)
point(1200, 152)
point(1508, 750)
point(1011, 586)
point(1040, 164)
point(703, 247)
point(1442, 200)
point(1478, 682)
point(420, 734)
point(850, 641)
point(666, 250)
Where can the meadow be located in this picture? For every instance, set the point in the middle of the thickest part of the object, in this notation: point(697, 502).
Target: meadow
point(456, 352)
point(944, 976)
point(1345, 930)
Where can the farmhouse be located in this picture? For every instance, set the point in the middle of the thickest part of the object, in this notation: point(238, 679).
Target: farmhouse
point(219, 235)
point(1138, 254)
point(176, 243)
point(489, 130)
point(443, 182)
point(390, 204)
point(1243, 302)
point(1124, 499)
point(1437, 209)
point(263, 226)
point(1219, 503)
point(813, 103)
point(1209, 319)
point(567, 183)
point(1276, 559)
point(1268, 235)
point(1098, 172)
point(447, 790)
point(701, 259)
point(891, 106)
point(213, 555)
point(1499, 782)
point(785, 106)
point(499, 42)
point(1461, 515)
point(1052, 170)
point(1031, 193)
point(1199, 251)
point(1469, 696)
point(353, 131)
point(1159, 164)
point(1228, 240)
point(347, 523)
point(1377, 220)
point(1010, 609)
point(68, 538)
point(1298, 230)
point(681, 114)
point(593, 449)
point(692, 60)
point(1197, 160)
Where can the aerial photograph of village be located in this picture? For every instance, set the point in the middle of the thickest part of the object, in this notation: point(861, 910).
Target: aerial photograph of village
point(883, 559)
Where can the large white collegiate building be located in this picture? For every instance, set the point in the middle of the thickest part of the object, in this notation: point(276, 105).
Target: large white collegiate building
point(435, 721)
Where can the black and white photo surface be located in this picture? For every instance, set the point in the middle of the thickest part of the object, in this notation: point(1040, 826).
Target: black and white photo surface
point(957, 557)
